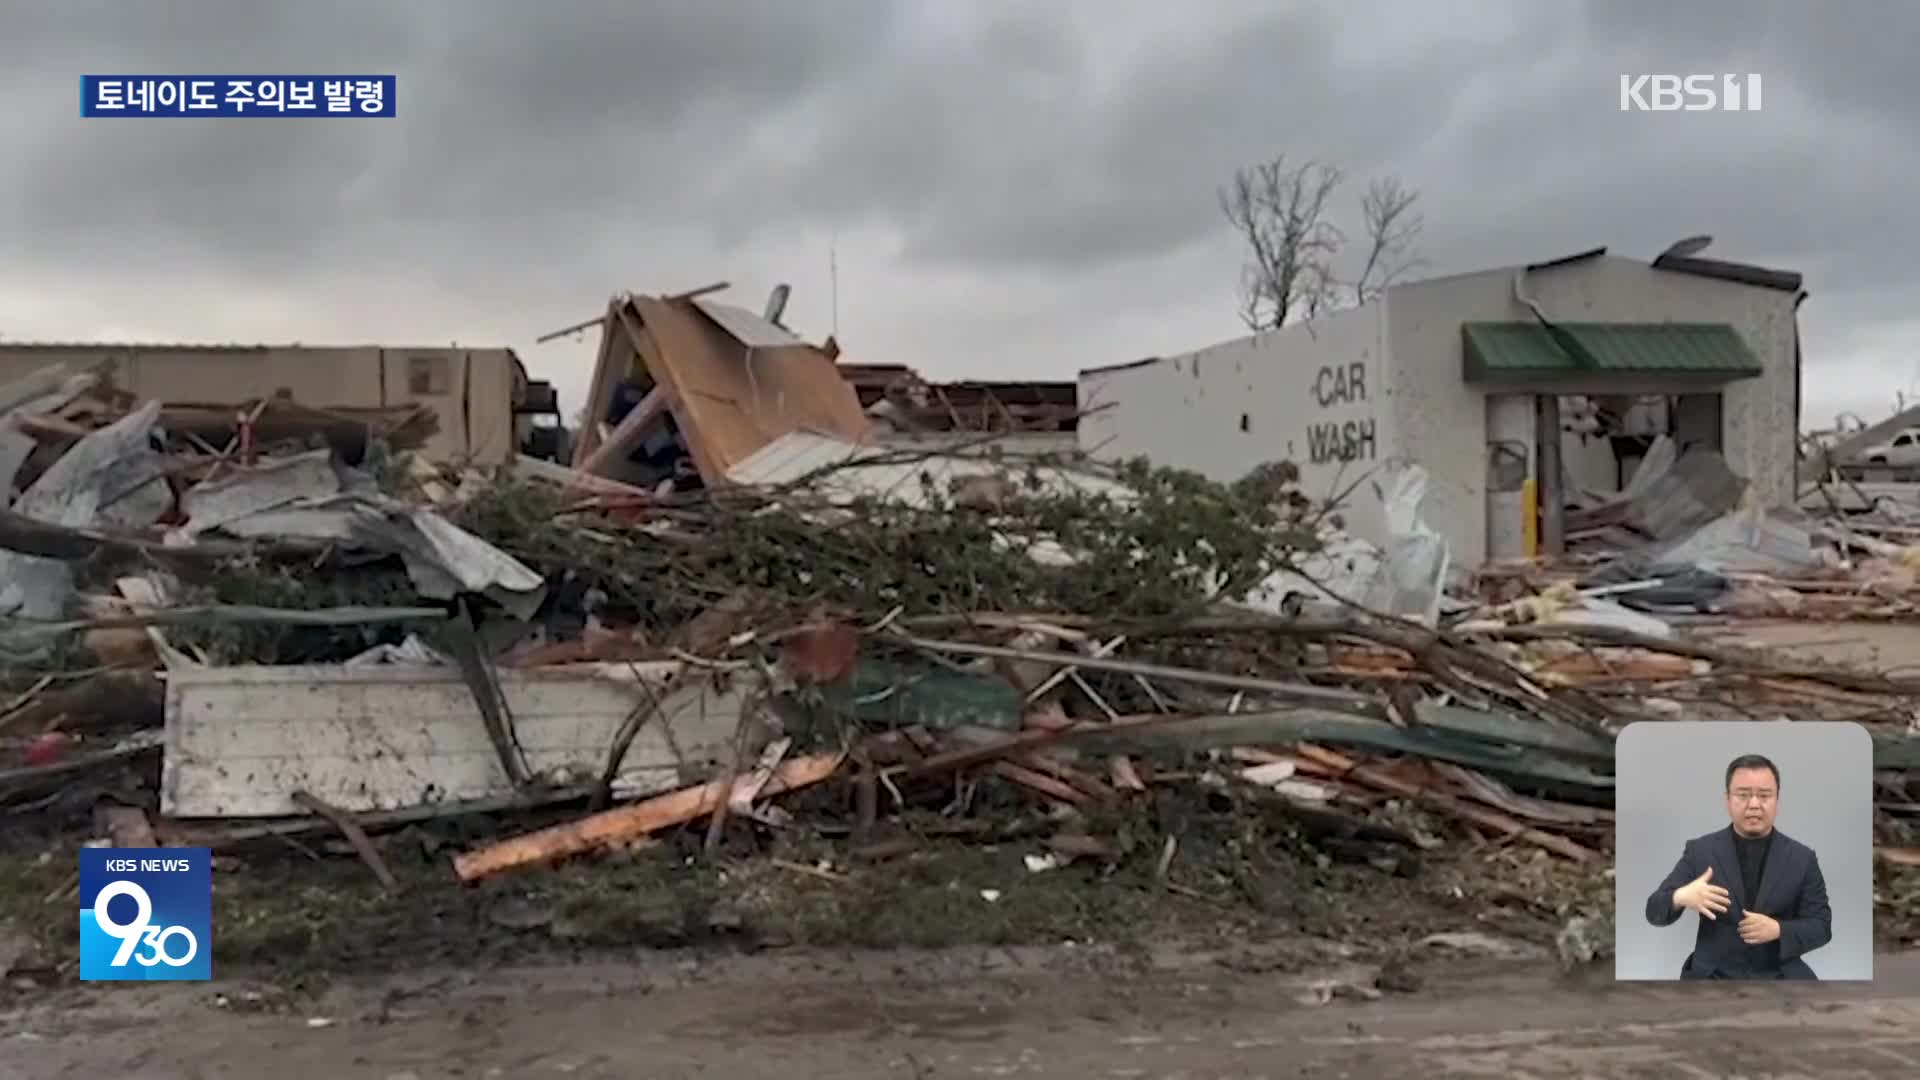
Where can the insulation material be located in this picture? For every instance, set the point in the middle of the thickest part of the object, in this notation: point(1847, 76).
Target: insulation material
point(1413, 570)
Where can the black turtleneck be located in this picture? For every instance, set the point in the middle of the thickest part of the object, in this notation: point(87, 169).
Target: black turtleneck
point(1752, 851)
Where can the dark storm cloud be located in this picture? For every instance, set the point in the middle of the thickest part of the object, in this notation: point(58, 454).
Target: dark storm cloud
point(514, 119)
point(1036, 167)
point(1000, 167)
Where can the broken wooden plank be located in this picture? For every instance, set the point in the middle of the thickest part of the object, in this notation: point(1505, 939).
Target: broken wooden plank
point(1485, 789)
point(1460, 808)
point(1894, 856)
point(751, 785)
point(1125, 777)
point(242, 740)
point(1082, 781)
point(546, 472)
point(628, 433)
point(1041, 783)
point(362, 845)
point(629, 822)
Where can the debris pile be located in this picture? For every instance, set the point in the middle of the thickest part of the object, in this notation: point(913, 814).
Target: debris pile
point(870, 646)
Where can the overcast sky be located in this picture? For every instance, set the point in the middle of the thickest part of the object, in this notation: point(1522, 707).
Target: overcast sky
point(1012, 189)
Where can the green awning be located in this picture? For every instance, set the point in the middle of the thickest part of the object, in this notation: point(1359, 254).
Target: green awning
point(1528, 351)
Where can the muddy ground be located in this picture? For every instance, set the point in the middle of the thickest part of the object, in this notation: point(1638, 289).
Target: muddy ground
point(1264, 949)
point(1244, 1012)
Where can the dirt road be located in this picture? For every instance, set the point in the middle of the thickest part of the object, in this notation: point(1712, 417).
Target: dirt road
point(1001, 1014)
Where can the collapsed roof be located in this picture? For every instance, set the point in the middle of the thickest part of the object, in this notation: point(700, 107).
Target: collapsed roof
point(718, 381)
point(687, 385)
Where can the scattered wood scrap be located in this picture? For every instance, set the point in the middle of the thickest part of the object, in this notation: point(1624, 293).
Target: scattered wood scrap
point(362, 845)
point(625, 823)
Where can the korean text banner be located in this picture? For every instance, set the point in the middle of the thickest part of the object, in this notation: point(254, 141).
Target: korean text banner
point(336, 96)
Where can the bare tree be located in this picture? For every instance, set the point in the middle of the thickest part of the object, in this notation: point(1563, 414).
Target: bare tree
point(1284, 213)
point(1392, 225)
point(1281, 212)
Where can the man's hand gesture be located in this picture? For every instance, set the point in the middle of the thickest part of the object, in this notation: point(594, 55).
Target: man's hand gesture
point(1704, 898)
point(1758, 929)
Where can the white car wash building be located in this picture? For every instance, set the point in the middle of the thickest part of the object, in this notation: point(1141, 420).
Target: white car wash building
point(1461, 374)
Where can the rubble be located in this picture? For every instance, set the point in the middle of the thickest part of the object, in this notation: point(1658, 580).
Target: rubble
point(828, 643)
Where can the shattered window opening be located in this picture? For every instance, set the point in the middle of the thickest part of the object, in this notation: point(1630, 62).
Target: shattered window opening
point(427, 376)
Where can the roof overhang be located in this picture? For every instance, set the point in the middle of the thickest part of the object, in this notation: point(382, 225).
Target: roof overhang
point(1533, 352)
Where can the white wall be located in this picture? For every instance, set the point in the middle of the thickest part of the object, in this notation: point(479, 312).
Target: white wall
point(1442, 421)
point(1302, 394)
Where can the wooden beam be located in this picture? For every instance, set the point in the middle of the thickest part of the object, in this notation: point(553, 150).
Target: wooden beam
point(600, 388)
point(584, 324)
point(704, 290)
point(630, 432)
point(611, 827)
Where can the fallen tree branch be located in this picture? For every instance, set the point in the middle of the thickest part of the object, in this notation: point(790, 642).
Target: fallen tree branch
point(647, 709)
point(355, 835)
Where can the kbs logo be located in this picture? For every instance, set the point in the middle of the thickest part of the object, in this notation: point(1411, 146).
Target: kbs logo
point(146, 913)
point(1689, 93)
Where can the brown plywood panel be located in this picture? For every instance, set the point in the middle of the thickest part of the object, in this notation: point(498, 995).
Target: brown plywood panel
point(731, 401)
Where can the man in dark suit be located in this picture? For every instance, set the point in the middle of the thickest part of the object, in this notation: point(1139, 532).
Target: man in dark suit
point(1759, 894)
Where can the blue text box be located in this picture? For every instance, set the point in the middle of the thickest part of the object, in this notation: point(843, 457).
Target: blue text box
point(334, 96)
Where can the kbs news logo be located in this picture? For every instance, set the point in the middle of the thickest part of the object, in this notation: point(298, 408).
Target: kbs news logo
point(146, 913)
point(1689, 93)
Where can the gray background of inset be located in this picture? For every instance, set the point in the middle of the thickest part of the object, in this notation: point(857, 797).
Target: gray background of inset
point(1671, 778)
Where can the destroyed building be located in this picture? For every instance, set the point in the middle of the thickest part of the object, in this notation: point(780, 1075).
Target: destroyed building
point(817, 668)
point(907, 410)
point(686, 390)
point(1455, 372)
point(485, 409)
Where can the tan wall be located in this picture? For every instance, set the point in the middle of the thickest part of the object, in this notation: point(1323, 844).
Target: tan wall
point(472, 390)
